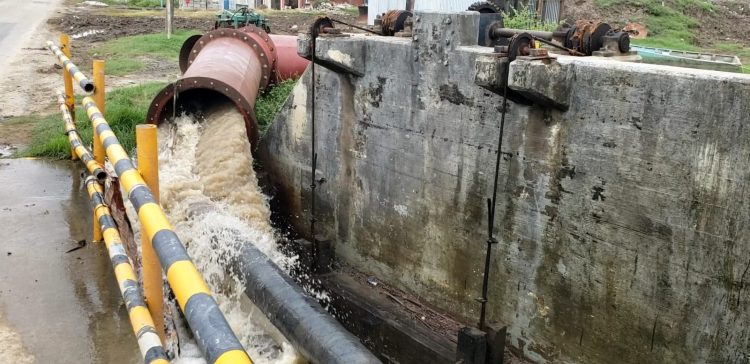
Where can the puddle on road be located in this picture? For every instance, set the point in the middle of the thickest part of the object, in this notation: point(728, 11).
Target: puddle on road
point(63, 307)
point(7, 150)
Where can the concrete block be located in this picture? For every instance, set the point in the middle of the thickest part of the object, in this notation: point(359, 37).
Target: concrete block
point(342, 54)
point(544, 82)
point(495, 342)
point(489, 70)
point(472, 346)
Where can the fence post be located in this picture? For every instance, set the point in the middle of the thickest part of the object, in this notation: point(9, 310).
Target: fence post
point(148, 167)
point(99, 99)
point(98, 147)
point(68, 80)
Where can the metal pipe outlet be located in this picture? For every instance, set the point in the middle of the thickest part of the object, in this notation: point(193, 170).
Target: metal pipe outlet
point(228, 65)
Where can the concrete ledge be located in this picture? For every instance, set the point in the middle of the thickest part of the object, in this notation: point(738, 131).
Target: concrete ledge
point(543, 82)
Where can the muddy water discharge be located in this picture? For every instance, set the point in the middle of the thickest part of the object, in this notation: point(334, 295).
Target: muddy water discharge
point(210, 193)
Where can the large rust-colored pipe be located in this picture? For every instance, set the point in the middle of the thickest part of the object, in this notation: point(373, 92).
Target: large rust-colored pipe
point(229, 65)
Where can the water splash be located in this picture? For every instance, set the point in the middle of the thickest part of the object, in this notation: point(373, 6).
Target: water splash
point(210, 193)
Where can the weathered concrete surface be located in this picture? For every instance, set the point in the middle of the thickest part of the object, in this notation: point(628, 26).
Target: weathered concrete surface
point(622, 221)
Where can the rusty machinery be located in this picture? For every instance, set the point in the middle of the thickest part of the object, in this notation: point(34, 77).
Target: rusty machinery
point(585, 38)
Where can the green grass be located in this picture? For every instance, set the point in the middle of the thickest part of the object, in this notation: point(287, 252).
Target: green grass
point(524, 18)
point(269, 104)
point(126, 108)
point(669, 25)
point(125, 55)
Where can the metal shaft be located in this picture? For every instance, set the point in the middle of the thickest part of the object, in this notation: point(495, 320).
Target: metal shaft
point(492, 204)
point(313, 160)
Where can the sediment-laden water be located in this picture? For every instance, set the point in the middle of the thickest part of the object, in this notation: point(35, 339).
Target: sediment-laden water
point(210, 193)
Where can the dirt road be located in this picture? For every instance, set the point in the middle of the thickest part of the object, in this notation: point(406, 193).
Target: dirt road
point(22, 36)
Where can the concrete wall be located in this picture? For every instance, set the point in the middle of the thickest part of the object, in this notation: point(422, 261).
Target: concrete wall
point(623, 221)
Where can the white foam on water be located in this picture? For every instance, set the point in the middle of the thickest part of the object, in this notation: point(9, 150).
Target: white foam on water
point(211, 195)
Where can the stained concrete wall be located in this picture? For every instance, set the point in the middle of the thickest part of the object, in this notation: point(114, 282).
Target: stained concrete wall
point(623, 221)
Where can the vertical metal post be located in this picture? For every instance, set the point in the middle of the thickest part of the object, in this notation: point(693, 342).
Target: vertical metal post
point(491, 205)
point(68, 80)
point(313, 161)
point(148, 167)
point(98, 97)
point(98, 148)
point(170, 16)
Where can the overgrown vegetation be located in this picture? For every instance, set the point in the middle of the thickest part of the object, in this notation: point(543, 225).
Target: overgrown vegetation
point(126, 55)
point(126, 108)
point(523, 18)
point(269, 104)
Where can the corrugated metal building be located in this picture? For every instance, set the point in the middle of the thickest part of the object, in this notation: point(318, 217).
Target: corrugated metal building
point(549, 10)
point(376, 7)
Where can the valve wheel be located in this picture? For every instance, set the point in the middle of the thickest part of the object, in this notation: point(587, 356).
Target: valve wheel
point(520, 45)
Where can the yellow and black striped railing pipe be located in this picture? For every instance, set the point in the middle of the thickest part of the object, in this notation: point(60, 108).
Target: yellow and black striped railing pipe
point(140, 318)
point(82, 80)
point(76, 144)
point(211, 329)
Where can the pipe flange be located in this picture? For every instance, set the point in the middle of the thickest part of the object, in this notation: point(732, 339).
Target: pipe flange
point(251, 35)
point(165, 96)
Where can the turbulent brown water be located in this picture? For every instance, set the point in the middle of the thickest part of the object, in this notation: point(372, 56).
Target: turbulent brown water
point(210, 193)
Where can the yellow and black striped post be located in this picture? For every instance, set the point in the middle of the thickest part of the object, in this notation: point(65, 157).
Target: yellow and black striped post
point(140, 318)
point(146, 141)
point(212, 331)
point(98, 70)
point(68, 82)
point(76, 145)
point(84, 82)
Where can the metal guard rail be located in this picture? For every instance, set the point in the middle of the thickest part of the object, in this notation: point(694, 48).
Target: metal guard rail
point(211, 329)
point(215, 337)
point(76, 144)
point(84, 82)
point(140, 317)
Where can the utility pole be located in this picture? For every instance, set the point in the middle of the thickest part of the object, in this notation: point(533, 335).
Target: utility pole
point(170, 16)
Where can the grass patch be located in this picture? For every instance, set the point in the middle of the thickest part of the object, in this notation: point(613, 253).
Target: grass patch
point(126, 108)
point(124, 55)
point(523, 18)
point(269, 103)
point(668, 22)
